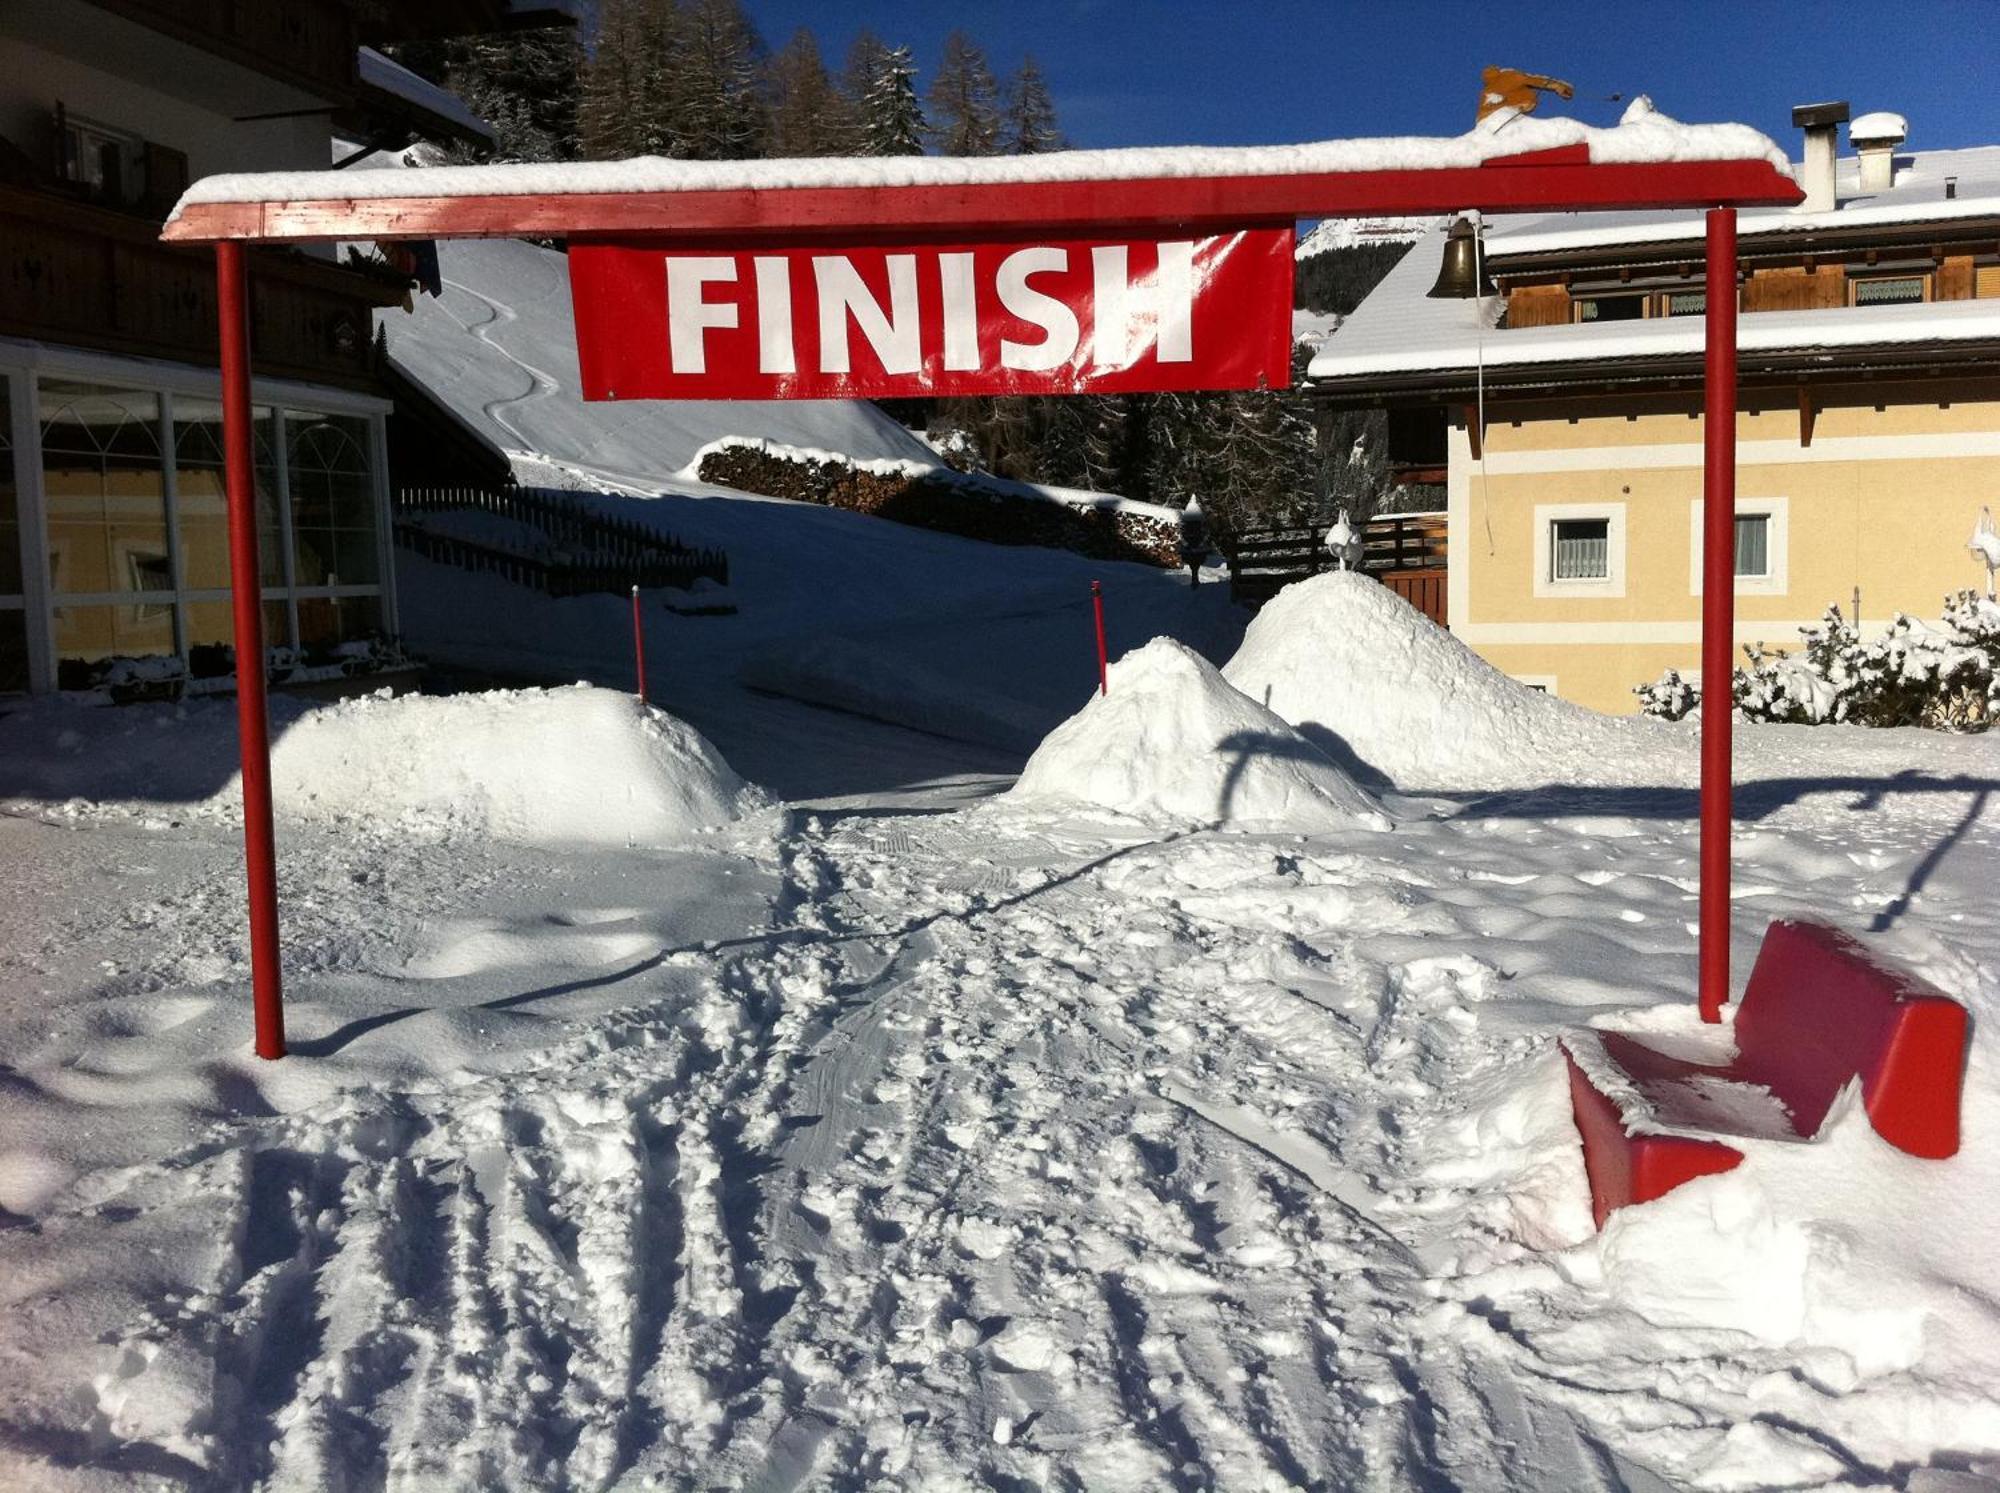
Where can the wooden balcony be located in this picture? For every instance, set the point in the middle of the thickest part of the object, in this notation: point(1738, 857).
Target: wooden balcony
point(308, 43)
point(87, 276)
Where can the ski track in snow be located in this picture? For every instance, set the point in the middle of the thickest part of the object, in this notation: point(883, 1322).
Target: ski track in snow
point(541, 384)
point(1003, 1156)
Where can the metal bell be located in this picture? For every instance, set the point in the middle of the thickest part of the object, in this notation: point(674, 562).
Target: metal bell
point(1462, 275)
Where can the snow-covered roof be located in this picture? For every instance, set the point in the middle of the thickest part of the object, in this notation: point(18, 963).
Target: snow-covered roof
point(1916, 195)
point(391, 77)
point(1643, 136)
point(1399, 329)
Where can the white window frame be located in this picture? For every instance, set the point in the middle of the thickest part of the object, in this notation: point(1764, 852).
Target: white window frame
point(1612, 584)
point(25, 363)
point(1777, 514)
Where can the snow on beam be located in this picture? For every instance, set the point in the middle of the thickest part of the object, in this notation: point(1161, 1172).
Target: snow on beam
point(1549, 165)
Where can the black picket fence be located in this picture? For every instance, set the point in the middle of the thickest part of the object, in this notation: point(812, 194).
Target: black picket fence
point(581, 552)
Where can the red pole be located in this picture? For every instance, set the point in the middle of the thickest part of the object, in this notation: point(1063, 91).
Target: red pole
point(639, 644)
point(253, 728)
point(1718, 607)
point(1103, 670)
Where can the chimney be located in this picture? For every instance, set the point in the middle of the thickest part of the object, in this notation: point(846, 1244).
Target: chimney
point(1875, 138)
point(1822, 123)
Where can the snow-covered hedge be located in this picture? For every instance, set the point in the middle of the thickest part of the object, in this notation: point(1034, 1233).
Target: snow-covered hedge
point(974, 505)
point(1944, 675)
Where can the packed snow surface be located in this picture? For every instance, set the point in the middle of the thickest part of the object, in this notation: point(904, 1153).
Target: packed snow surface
point(1171, 740)
point(871, 1142)
point(1643, 135)
point(538, 767)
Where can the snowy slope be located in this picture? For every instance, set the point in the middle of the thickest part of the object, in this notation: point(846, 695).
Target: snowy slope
point(498, 348)
point(1346, 233)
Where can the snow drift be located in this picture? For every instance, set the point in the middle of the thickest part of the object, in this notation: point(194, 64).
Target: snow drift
point(1172, 740)
point(575, 766)
point(1341, 656)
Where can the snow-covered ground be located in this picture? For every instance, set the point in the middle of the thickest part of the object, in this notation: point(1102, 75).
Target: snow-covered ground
point(909, 1132)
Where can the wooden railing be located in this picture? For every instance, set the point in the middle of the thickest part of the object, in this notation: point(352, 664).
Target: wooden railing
point(1406, 551)
point(578, 552)
point(90, 276)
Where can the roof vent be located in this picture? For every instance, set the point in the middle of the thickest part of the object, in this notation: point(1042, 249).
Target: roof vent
point(1875, 138)
point(1822, 123)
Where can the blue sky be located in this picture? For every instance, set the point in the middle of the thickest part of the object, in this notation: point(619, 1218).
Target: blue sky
point(1171, 72)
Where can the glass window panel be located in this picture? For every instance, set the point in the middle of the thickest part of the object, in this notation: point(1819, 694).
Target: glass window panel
point(1611, 308)
point(1582, 549)
point(86, 634)
point(203, 504)
point(10, 509)
point(1898, 291)
point(209, 622)
point(104, 480)
point(325, 621)
point(333, 499)
point(13, 652)
point(1753, 544)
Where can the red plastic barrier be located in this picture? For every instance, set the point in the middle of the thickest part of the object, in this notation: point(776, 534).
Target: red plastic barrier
point(1818, 1013)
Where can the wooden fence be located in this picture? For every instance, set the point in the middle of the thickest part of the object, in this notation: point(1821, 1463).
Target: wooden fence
point(1406, 551)
point(580, 551)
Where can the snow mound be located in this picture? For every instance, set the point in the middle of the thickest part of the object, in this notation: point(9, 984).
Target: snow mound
point(1365, 674)
point(1172, 740)
point(535, 766)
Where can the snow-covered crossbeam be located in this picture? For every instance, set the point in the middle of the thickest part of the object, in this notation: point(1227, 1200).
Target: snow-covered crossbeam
point(1646, 160)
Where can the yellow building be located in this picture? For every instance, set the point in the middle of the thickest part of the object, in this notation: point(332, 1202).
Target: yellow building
point(1868, 428)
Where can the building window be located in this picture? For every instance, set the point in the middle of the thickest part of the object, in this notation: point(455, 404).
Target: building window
point(333, 501)
point(138, 531)
point(1611, 308)
point(1890, 290)
point(1753, 545)
point(1684, 303)
point(104, 481)
point(1580, 549)
point(1760, 537)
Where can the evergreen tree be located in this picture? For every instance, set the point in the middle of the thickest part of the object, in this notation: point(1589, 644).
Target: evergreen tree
point(523, 83)
point(719, 114)
point(1028, 124)
point(625, 104)
point(892, 121)
point(809, 116)
point(965, 118)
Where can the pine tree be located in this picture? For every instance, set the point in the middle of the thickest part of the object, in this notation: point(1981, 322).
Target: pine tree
point(523, 83)
point(965, 120)
point(625, 106)
point(719, 115)
point(809, 116)
point(1028, 124)
point(892, 121)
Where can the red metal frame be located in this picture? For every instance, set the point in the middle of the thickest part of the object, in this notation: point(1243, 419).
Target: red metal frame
point(1542, 181)
point(639, 645)
point(246, 594)
point(1718, 608)
point(1103, 662)
point(1554, 180)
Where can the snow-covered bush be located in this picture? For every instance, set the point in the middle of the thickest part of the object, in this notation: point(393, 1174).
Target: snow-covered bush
point(1944, 675)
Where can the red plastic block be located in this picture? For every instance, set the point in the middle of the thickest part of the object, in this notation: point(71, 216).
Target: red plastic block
point(1626, 1168)
point(1818, 1013)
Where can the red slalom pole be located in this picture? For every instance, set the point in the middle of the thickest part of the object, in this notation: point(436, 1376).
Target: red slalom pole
point(253, 725)
point(1097, 604)
point(639, 644)
point(1718, 608)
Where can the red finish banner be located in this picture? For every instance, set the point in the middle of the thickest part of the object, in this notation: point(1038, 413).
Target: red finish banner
point(1072, 316)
